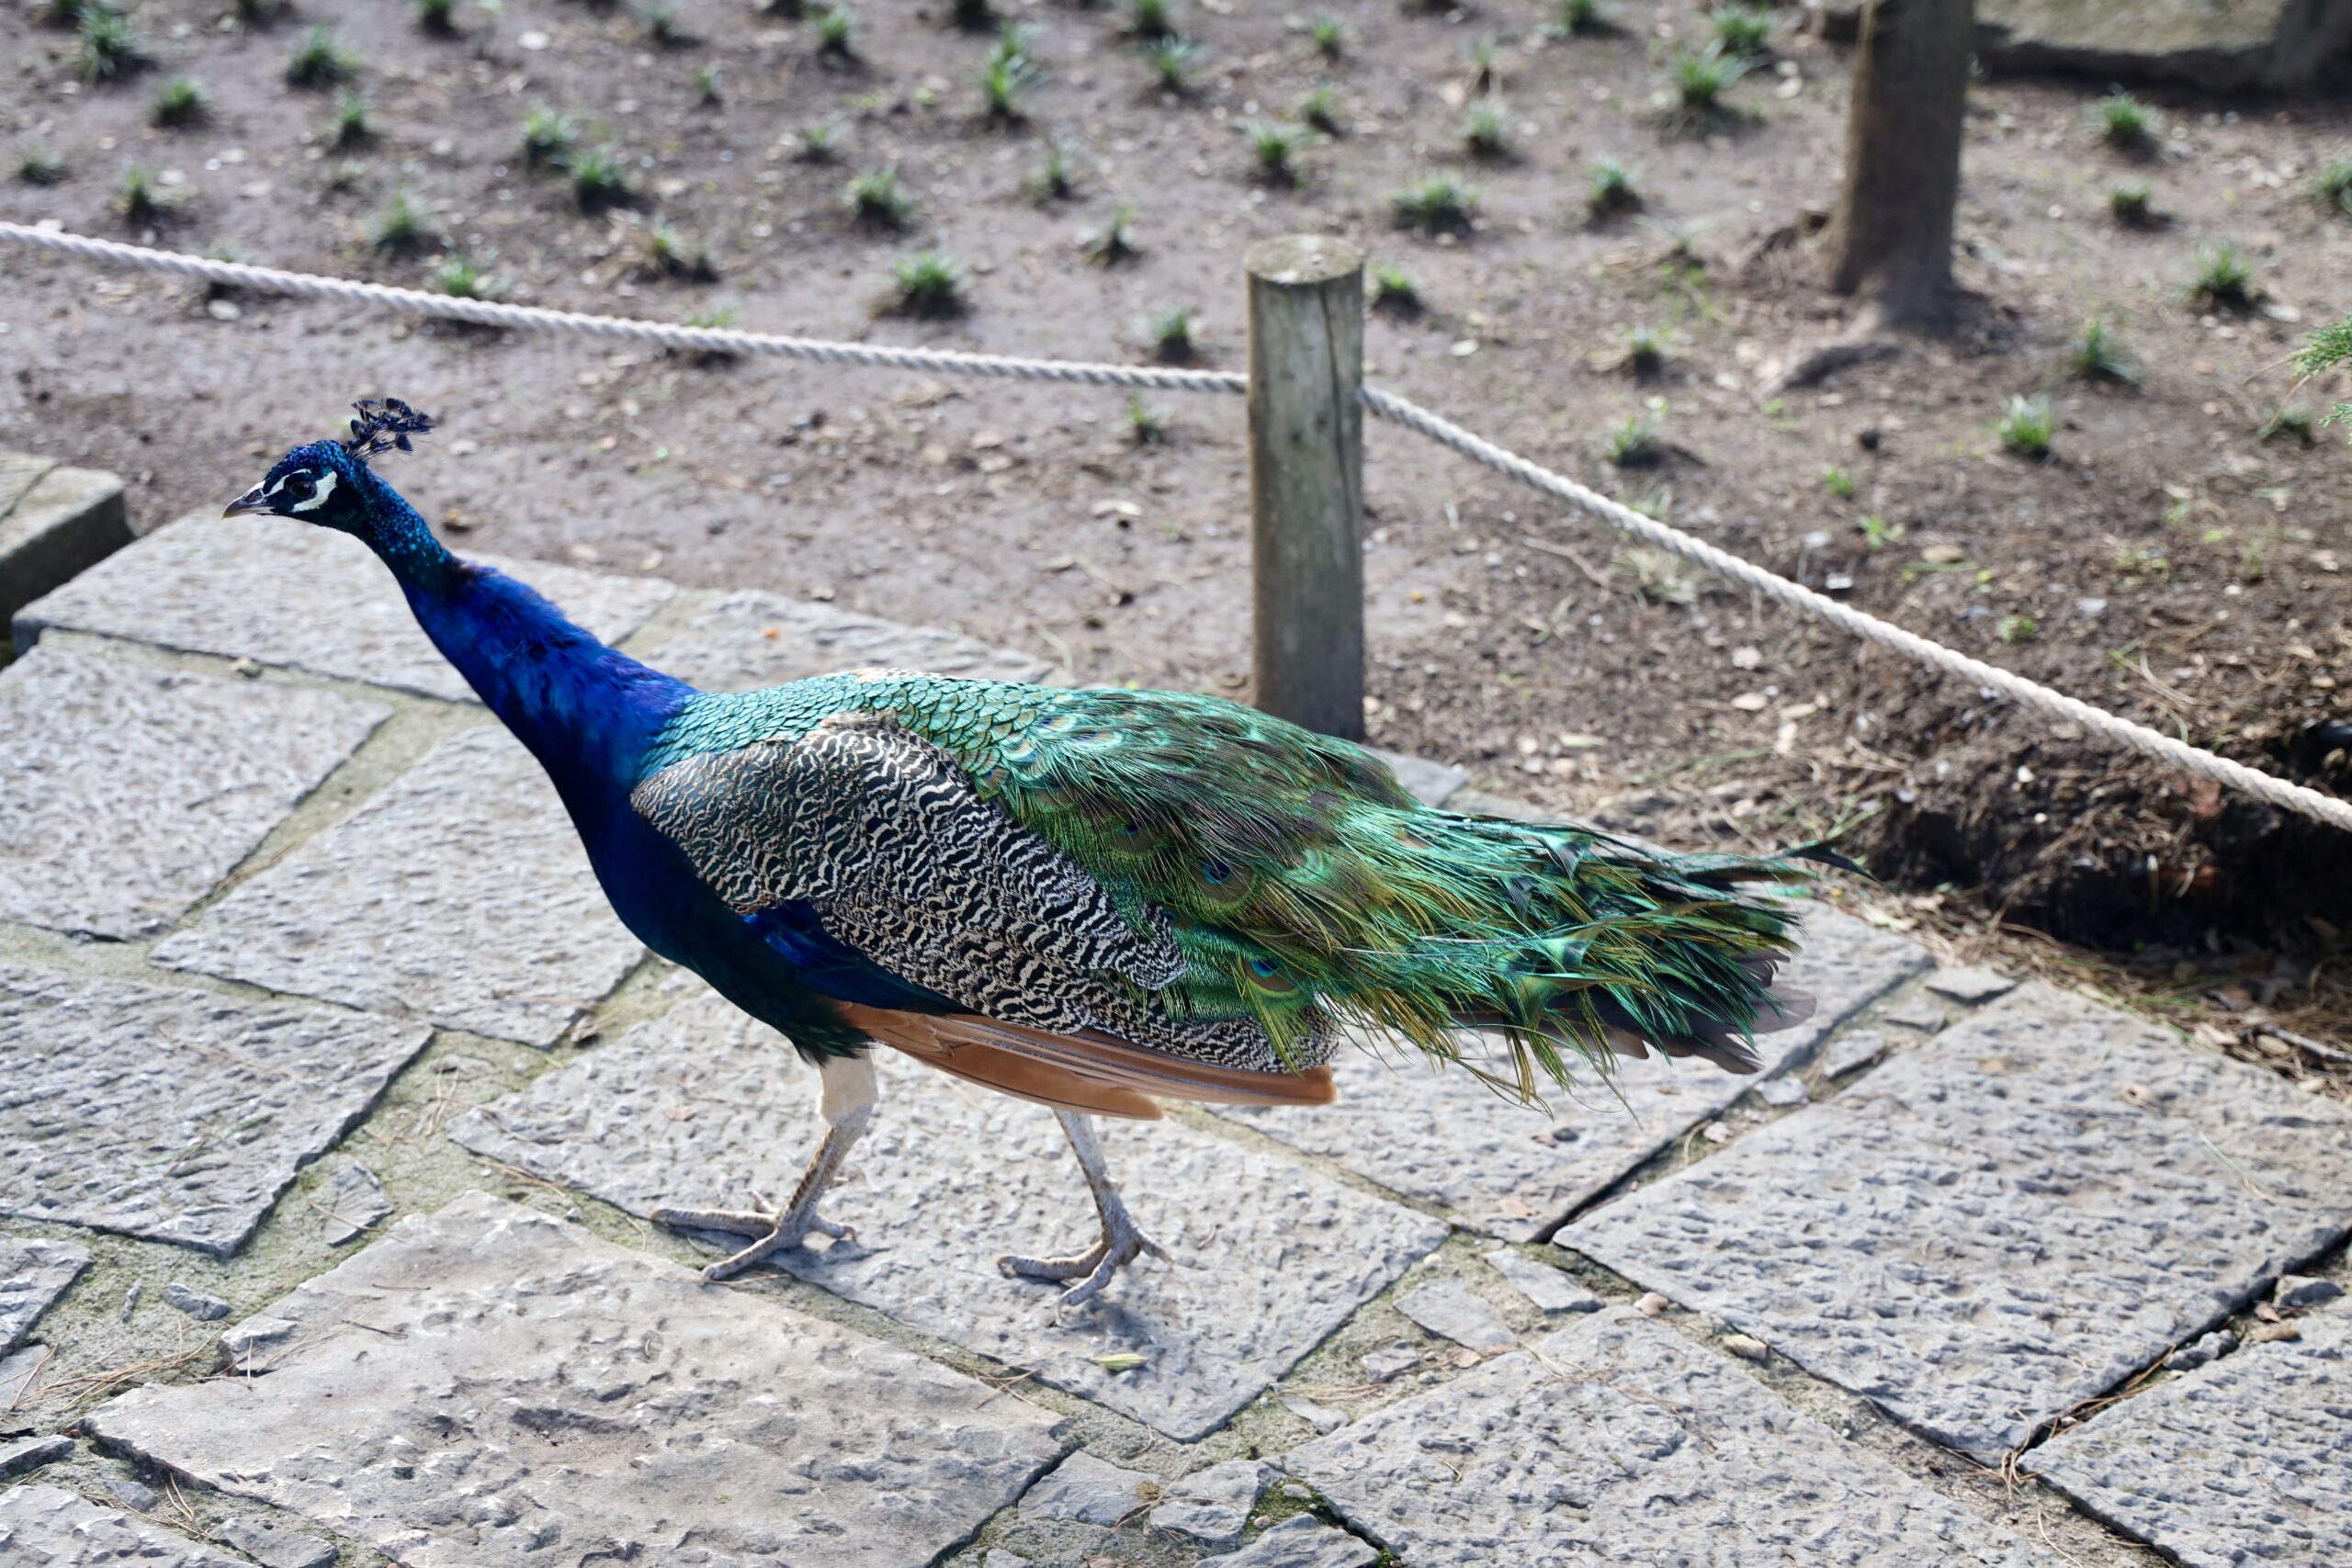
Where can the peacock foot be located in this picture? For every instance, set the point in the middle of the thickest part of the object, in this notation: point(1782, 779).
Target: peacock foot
point(773, 1232)
point(1121, 1244)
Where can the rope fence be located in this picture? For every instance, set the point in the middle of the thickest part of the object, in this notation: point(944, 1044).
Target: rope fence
point(2026, 694)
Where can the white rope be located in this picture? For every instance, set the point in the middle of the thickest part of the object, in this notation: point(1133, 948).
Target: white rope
point(2027, 694)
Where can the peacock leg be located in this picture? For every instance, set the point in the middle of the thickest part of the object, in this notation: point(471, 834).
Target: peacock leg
point(847, 1101)
point(1122, 1242)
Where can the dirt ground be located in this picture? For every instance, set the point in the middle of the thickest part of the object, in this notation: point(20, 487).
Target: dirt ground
point(2166, 561)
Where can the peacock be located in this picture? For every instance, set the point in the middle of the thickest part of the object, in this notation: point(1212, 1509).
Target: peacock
point(1094, 899)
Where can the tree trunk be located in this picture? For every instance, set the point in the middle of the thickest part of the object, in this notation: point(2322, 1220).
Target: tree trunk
point(1891, 245)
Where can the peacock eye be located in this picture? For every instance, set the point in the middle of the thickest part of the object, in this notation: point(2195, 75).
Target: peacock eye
point(300, 485)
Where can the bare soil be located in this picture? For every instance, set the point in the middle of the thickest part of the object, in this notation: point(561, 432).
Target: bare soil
point(2166, 561)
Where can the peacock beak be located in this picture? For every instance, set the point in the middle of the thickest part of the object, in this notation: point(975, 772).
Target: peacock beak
point(252, 501)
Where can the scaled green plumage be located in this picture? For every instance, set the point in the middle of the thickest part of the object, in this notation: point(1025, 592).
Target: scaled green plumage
point(1302, 879)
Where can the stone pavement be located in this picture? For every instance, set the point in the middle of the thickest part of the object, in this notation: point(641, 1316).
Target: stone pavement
point(332, 1101)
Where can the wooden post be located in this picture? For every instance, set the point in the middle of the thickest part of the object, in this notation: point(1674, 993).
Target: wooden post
point(1306, 479)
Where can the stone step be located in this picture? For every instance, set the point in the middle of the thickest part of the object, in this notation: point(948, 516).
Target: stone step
point(55, 522)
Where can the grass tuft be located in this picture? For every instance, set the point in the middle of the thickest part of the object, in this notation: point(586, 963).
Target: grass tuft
point(1146, 425)
point(663, 253)
point(929, 285)
point(1331, 36)
point(402, 225)
point(1394, 291)
point(2124, 122)
point(1573, 18)
point(2224, 279)
point(1633, 442)
point(1436, 203)
point(817, 141)
point(1320, 111)
point(320, 61)
point(549, 139)
point(2333, 190)
point(351, 128)
point(1609, 191)
point(1645, 350)
point(180, 104)
point(1150, 19)
point(140, 199)
point(662, 30)
point(2094, 356)
point(1170, 332)
point(1173, 59)
point(1701, 78)
point(461, 276)
point(971, 16)
point(876, 201)
point(438, 18)
point(107, 46)
point(2129, 205)
point(2285, 423)
point(1276, 148)
point(1837, 482)
point(837, 36)
point(2026, 427)
point(1007, 75)
point(39, 166)
point(1742, 30)
point(1486, 132)
point(599, 179)
point(1056, 175)
point(707, 79)
point(1114, 241)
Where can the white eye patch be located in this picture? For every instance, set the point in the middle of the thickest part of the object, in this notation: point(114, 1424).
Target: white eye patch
point(326, 488)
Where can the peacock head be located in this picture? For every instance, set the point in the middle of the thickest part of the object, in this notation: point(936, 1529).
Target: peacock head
point(329, 482)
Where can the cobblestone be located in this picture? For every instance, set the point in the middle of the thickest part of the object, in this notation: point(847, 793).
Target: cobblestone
point(2002, 1223)
point(703, 1106)
point(459, 895)
point(752, 639)
point(171, 1112)
point(527, 1393)
point(128, 793)
point(33, 1275)
point(46, 1526)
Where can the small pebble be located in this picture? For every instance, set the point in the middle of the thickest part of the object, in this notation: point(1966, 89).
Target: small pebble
point(195, 1304)
point(2189, 1356)
point(1652, 1305)
point(1746, 1347)
point(2301, 1291)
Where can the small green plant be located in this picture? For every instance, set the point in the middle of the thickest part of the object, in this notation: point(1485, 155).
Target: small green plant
point(1486, 132)
point(107, 46)
point(59, 13)
point(2333, 190)
point(2094, 356)
point(39, 166)
point(461, 276)
point(1320, 111)
point(549, 139)
point(318, 62)
point(1744, 30)
point(1484, 76)
point(351, 128)
point(2124, 122)
point(1395, 292)
point(1571, 17)
point(1005, 77)
point(1645, 350)
point(438, 16)
point(876, 201)
point(2027, 426)
point(2328, 348)
point(1837, 482)
point(1331, 36)
point(1150, 19)
point(816, 143)
point(1609, 191)
point(716, 317)
point(2288, 424)
point(140, 199)
point(1878, 533)
point(663, 253)
point(971, 16)
point(1145, 424)
point(1173, 59)
point(1661, 577)
point(1633, 442)
point(706, 83)
point(599, 179)
point(2224, 279)
point(1114, 241)
point(661, 24)
point(180, 104)
point(1170, 332)
point(2015, 629)
point(837, 36)
point(1436, 203)
point(1701, 78)
point(402, 225)
point(929, 285)
point(2129, 205)
point(1056, 175)
point(1275, 149)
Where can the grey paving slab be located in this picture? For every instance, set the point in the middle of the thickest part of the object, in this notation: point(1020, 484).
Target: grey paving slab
point(20, 1370)
point(752, 639)
point(1452, 1309)
point(703, 1106)
point(1551, 1289)
point(1090, 1491)
point(2241, 1461)
point(488, 1386)
point(2002, 1223)
point(1213, 1505)
point(1515, 1170)
point(1970, 985)
point(127, 793)
point(174, 1114)
point(33, 1273)
point(305, 598)
point(356, 1202)
point(1432, 784)
point(54, 521)
point(1855, 1048)
point(272, 1547)
point(46, 1526)
point(1300, 1541)
point(1617, 1440)
point(460, 895)
point(21, 1456)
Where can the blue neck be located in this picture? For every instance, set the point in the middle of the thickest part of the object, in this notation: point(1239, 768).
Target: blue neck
point(586, 712)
